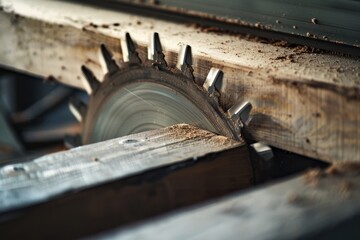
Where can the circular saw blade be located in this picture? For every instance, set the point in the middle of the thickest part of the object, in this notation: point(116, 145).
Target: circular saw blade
point(146, 95)
point(144, 98)
point(145, 106)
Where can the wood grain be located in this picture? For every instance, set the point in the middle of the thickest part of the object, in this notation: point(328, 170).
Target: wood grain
point(135, 178)
point(316, 205)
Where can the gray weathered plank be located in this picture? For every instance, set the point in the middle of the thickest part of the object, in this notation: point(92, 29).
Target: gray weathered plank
point(51, 175)
point(299, 207)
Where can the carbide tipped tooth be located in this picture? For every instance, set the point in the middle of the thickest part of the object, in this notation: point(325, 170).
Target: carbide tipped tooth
point(90, 83)
point(72, 141)
point(240, 111)
point(263, 151)
point(78, 108)
point(107, 61)
point(129, 51)
point(185, 61)
point(213, 80)
point(155, 50)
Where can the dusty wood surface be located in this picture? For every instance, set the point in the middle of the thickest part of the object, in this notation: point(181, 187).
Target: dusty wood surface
point(163, 170)
point(44, 178)
point(304, 101)
point(316, 205)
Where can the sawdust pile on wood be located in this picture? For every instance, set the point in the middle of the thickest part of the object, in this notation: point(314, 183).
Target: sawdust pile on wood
point(221, 140)
point(298, 49)
point(190, 132)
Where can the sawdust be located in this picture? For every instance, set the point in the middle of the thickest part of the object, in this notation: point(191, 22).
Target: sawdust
point(188, 132)
point(336, 170)
point(343, 168)
point(221, 140)
point(221, 31)
point(297, 49)
point(332, 170)
point(313, 176)
point(289, 57)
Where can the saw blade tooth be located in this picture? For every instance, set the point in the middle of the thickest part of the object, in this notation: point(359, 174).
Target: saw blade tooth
point(155, 51)
point(129, 50)
point(263, 151)
point(106, 60)
point(72, 141)
point(185, 61)
point(213, 80)
point(240, 111)
point(78, 108)
point(90, 82)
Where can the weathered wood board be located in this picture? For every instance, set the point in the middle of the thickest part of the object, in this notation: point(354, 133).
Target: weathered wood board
point(26, 183)
point(306, 102)
point(104, 185)
point(316, 205)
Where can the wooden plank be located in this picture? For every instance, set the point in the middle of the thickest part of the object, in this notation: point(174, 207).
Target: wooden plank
point(338, 23)
point(119, 181)
point(48, 176)
point(294, 91)
point(316, 205)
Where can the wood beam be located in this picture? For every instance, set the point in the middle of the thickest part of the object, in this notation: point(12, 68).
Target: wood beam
point(315, 205)
point(100, 186)
point(304, 101)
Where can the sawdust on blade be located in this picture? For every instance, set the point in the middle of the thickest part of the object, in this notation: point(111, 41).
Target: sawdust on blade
point(191, 132)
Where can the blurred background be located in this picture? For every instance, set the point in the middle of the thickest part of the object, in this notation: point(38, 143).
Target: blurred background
point(34, 115)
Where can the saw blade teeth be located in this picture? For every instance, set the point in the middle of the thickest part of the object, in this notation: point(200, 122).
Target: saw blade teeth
point(240, 111)
point(155, 51)
point(185, 61)
point(90, 82)
point(72, 141)
point(78, 108)
point(106, 60)
point(213, 80)
point(129, 51)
